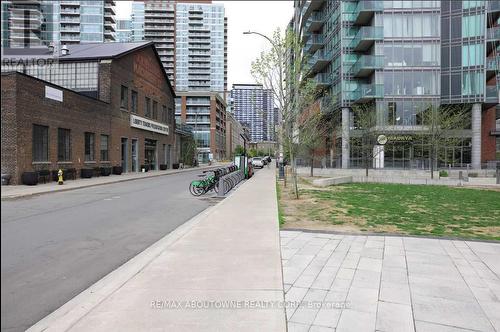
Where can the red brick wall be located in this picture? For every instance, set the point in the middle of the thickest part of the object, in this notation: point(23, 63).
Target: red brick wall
point(9, 126)
point(77, 113)
point(488, 142)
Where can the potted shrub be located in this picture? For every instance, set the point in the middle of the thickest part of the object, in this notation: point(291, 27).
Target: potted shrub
point(105, 171)
point(175, 166)
point(117, 170)
point(443, 174)
point(86, 173)
point(163, 167)
point(145, 168)
point(29, 178)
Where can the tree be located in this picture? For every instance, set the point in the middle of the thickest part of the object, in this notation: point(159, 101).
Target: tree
point(442, 126)
point(284, 71)
point(365, 125)
point(239, 150)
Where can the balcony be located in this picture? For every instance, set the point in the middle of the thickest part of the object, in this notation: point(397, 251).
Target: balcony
point(323, 80)
point(366, 37)
point(492, 66)
point(368, 92)
point(310, 6)
point(367, 64)
point(67, 11)
point(319, 60)
point(315, 22)
point(314, 43)
point(493, 10)
point(493, 34)
point(492, 95)
point(365, 10)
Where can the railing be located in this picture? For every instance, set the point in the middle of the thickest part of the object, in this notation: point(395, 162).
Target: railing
point(367, 33)
point(369, 91)
point(493, 33)
point(492, 94)
point(323, 79)
point(367, 63)
point(493, 63)
point(366, 7)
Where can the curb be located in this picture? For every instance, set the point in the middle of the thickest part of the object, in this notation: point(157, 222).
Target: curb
point(70, 313)
point(14, 197)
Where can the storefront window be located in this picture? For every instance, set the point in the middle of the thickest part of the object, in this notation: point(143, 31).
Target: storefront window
point(104, 148)
point(40, 143)
point(63, 144)
point(89, 146)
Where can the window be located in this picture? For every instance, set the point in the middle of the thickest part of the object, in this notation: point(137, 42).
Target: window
point(155, 109)
point(124, 97)
point(63, 144)
point(472, 55)
point(164, 114)
point(134, 102)
point(472, 25)
point(40, 143)
point(104, 148)
point(147, 111)
point(89, 146)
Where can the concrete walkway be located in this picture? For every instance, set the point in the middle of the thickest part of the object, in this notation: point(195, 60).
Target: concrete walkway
point(13, 192)
point(377, 283)
point(185, 282)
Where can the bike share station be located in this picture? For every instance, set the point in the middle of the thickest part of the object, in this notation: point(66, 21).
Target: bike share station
point(221, 180)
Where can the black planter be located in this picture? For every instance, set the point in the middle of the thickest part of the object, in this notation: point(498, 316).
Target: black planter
point(5, 179)
point(146, 168)
point(29, 178)
point(86, 173)
point(163, 167)
point(175, 166)
point(117, 170)
point(106, 171)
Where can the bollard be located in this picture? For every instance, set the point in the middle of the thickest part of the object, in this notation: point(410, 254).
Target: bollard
point(60, 177)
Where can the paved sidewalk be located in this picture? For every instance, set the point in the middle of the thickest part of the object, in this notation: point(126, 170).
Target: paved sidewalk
point(231, 252)
point(13, 192)
point(377, 283)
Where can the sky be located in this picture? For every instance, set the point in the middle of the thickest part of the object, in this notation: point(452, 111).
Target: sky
point(260, 16)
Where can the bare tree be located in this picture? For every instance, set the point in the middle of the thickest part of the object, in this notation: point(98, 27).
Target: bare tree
point(283, 70)
point(443, 126)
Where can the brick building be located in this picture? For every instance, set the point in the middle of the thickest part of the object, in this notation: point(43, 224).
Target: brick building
point(106, 104)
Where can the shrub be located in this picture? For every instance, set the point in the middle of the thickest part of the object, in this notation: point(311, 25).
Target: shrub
point(443, 174)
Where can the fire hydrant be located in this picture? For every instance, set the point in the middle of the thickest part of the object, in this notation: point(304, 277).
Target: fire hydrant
point(60, 177)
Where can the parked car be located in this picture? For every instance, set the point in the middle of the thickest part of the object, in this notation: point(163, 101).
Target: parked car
point(257, 162)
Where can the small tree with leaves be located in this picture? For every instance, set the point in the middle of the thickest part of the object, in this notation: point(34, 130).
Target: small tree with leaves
point(283, 70)
point(442, 126)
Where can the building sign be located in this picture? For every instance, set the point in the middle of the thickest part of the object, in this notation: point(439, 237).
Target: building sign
point(146, 124)
point(381, 139)
point(399, 138)
point(54, 94)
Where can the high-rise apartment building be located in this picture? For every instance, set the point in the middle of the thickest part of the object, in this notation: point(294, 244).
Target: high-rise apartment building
point(123, 30)
point(253, 106)
point(41, 22)
point(399, 57)
point(191, 39)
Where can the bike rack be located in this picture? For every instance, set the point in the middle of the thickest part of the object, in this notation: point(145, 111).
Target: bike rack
point(229, 181)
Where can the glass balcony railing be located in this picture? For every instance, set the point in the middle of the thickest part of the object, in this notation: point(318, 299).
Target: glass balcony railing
point(365, 9)
point(319, 60)
point(493, 33)
point(315, 41)
point(493, 6)
point(367, 64)
point(492, 94)
point(367, 92)
point(493, 63)
point(315, 21)
point(365, 37)
point(323, 79)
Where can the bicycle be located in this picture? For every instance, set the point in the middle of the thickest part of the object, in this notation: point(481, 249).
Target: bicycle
point(208, 183)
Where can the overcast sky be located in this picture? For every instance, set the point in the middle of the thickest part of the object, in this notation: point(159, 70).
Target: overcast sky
point(260, 16)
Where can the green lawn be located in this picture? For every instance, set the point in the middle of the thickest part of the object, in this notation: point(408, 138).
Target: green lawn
point(408, 209)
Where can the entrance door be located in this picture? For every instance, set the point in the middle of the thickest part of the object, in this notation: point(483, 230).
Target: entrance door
point(135, 158)
point(150, 153)
point(124, 154)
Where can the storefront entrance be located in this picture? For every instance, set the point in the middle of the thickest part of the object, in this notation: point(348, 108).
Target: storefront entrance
point(150, 154)
point(135, 158)
point(124, 154)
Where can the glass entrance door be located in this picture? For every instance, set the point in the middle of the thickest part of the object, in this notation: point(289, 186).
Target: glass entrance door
point(150, 158)
point(135, 158)
point(124, 154)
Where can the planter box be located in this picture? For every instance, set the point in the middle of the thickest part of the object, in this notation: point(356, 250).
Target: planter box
point(106, 171)
point(175, 166)
point(163, 167)
point(146, 168)
point(29, 178)
point(117, 170)
point(86, 173)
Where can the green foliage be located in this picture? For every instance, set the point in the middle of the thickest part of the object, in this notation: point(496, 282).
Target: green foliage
point(416, 209)
point(281, 216)
point(239, 150)
point(188, 151)
point(443, 174)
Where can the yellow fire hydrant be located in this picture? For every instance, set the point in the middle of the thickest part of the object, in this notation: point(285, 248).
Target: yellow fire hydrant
point(60, 177)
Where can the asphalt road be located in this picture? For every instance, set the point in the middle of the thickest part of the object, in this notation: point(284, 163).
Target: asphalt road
point(56, 245)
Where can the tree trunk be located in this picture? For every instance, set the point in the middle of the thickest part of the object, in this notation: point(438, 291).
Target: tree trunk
point(312, 166)
point(432, 162)
point(294, 175)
